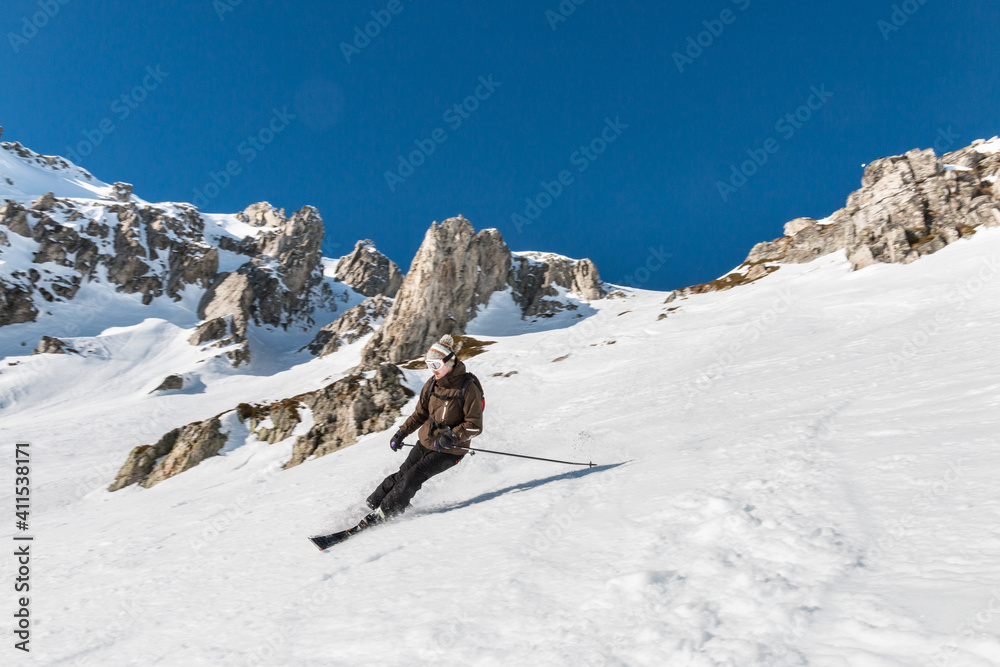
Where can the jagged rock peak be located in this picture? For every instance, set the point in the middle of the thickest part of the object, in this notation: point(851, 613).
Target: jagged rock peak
point(262, 214)
point(454, 274)
point(368, 271)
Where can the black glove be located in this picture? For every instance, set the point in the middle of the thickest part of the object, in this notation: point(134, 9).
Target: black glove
point(445, 441)
point(396, 443)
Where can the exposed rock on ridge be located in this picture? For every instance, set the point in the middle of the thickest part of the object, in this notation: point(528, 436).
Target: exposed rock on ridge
point(908, 206)
point(160, 250)
point(537, 275)
point(279, 285)
point(368, 271)
point(455, 272)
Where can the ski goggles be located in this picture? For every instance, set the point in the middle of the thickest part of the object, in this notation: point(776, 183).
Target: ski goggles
point(438, 364)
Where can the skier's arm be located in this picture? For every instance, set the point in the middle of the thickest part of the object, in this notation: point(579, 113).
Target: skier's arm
point(473, 424)
point(419, 416)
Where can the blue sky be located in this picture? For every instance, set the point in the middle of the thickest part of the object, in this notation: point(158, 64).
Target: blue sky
point(619, 142)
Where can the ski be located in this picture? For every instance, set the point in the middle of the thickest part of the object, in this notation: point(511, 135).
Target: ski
point(324, 542)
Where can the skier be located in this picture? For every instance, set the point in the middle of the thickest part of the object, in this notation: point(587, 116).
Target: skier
point(449, 414)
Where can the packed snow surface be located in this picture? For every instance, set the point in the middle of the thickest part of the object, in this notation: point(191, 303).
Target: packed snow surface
point(801, 471)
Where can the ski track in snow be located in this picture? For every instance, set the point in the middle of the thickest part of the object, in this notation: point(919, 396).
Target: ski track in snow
point(797, 472)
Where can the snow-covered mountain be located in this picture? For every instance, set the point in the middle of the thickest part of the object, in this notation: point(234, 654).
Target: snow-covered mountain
point(73, 245)
point(70, 243)
point(797, 471)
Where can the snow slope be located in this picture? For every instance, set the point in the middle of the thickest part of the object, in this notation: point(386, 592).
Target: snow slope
point(797, 472)
point(27, 174)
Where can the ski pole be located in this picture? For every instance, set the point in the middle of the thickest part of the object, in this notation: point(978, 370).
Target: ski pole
point(520, 456)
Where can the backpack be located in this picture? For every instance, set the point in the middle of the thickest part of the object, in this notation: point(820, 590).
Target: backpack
point(469, 379)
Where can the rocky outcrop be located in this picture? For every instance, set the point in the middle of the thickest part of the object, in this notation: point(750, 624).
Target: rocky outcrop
point(455, 272)
point(368, 271)
point(50, 162)
point(908, 206)
point(538, 276)
point(149, 250)
point(285, 268)
point(349, 408)
point(15, 218)
point(272, 423)
point(50, 345)
point(170, 383)
point(795, 226)
point(177, 451)
point(142, 460)
point(355, 323)
point(16, 305)
point(121, 191)
point(341, 412)
point(280, 285)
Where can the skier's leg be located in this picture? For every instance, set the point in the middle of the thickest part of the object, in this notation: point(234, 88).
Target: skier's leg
point(375, 499)
point(432, 463)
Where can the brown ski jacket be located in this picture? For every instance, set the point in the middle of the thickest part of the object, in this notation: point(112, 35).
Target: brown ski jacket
point(441, 406)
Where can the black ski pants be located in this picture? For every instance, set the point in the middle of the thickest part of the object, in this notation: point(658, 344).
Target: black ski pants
point(393, 495)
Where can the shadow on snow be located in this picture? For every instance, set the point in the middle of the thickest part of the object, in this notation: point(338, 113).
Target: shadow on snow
point(525, 486)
